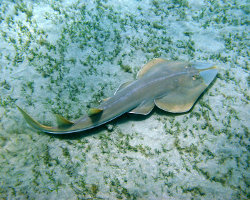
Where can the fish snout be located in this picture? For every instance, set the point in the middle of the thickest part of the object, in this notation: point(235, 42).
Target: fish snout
point(207, 71)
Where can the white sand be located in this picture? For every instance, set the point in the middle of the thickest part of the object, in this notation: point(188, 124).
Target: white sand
point(68, 55)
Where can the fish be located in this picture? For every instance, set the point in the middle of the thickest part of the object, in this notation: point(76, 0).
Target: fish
point(173, 86)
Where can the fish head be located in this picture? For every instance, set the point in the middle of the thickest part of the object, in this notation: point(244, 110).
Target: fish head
point(190, 81)
point(206, 71)
point(200, 73)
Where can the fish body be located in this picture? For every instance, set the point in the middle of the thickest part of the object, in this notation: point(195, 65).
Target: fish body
point(170, 85)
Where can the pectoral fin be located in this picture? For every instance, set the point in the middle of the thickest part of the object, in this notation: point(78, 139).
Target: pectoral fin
point(144, 108)
point(181, 100)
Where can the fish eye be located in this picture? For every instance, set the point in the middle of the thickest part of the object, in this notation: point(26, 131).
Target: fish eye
point(195, 77)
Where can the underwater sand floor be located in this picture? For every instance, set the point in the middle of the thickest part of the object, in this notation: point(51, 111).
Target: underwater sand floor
point(65, 56)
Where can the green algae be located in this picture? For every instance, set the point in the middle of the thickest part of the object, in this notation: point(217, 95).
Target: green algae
point(69, 95)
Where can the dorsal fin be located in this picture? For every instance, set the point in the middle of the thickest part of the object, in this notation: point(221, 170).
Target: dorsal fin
point(62, 122)
point(94, 111)
point(123, 85)
point(106, 99)
point(149, 65)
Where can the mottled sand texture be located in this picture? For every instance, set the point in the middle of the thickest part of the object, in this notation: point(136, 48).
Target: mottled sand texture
point(65, 56)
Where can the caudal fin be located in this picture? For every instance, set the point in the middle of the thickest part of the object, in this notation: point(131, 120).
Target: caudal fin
point(33, 123)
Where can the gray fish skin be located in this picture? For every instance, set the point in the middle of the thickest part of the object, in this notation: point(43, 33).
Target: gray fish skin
point(156, 84)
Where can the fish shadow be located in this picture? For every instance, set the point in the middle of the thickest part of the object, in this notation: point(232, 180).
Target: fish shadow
point(115, 122)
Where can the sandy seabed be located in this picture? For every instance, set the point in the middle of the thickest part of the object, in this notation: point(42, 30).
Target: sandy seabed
point(65, 56)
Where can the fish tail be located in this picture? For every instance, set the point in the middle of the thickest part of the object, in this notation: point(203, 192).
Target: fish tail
point(33, 123)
